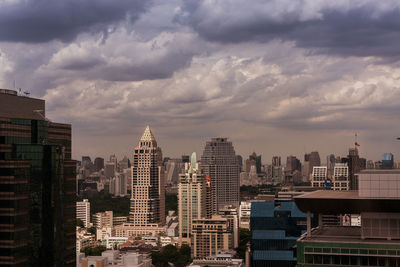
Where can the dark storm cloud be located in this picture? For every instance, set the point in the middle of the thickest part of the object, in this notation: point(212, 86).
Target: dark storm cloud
point(366, 28)
point(37, 21)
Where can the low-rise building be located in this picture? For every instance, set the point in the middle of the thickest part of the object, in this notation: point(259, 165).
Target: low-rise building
point(103, 219)
point(210, 235)
point(128, 229)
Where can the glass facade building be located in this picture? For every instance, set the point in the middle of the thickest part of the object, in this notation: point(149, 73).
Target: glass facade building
point(387, 161)
point(37, 186)
point(274, 228)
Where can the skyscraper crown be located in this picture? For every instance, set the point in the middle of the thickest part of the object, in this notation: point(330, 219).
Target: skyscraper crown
point(148, 135)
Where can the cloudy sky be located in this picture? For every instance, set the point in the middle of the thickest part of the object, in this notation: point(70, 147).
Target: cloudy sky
point(277, 77)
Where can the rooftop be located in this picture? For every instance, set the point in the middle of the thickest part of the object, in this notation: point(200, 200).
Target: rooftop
point(340, 202)
point(341, 234)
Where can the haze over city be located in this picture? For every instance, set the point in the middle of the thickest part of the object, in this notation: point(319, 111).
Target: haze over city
point(275, 77)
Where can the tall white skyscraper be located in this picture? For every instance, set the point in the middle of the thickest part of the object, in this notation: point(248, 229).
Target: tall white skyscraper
point(148, 192)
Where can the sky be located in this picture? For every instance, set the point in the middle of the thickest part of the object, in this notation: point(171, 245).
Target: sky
point(278, 77)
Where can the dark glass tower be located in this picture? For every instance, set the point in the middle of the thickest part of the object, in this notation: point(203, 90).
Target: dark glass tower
point(220, 163)
point(37, 186)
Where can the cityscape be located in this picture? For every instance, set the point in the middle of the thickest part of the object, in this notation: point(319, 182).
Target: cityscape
point(199, 133)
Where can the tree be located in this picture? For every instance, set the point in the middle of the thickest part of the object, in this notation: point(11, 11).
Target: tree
point(80, 223)
point(92, 230)
point(244, 238)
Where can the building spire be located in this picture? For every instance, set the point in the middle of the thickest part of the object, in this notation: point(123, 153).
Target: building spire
point(147, 135)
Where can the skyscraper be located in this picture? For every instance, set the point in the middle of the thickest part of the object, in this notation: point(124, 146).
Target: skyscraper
point(37, 185)
point(148, 192)
point(193, 195)
point(220, 163)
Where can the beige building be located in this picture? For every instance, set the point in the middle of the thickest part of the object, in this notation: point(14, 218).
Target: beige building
point(103, 219)
point(129, 229)
point(148, 192)
point(210, 235)
point(340, 178)
point(318, 176)
point(194, 190)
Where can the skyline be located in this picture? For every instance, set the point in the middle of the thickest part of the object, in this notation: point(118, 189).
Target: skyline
point(275, 77)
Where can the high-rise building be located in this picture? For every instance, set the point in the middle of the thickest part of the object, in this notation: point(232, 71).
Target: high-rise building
point(292, 164)
point(240, 161)
point(276, 161)
point(387, 161)
point(220, 163)
point(192, 199)
point(83, 211)
point(353, 161)
point(257, 160)
point(340, 177)
point(148, 191)
point(37, 185)
point(330, 163)
point(98, 164)
point(318, 176)
point(109, 169)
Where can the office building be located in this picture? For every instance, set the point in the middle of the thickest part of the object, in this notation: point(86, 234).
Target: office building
point(210, 235)
point(192, 197)
point(220, 163)
point(83, 212)
point(276, 161)
point(148, 190)
point(98, 164)
point(340, 178)
point(375, 242)
point(354, 163)
point(257, 160)
point(319, 176)
point(274, 229)
point(37, 185)
point(387, 161)
point(292, 164)
point(103, 219)
point(232, 214)
point(109, 169)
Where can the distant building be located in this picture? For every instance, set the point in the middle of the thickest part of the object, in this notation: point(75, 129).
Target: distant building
point(319, 176)
point(276, 161)
point(292, 164)
point(257, 160)
point(185, 158)
point(83, 212)
point(98, 164)
point(219, 162)
point(192, 199)
point(148, 190)
point(109, 170)
point(340, 178)
point(387, 161)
